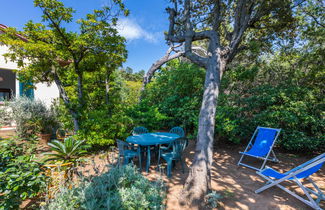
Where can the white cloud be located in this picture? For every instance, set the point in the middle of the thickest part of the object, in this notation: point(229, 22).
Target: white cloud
point(132, 31)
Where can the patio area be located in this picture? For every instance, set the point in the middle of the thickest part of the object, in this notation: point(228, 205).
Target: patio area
point(237, 184)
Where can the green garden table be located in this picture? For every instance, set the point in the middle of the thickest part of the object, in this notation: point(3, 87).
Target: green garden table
point(151, 139)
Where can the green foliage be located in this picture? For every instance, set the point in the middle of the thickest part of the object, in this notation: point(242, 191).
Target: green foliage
point(105, 117)
point(292, 100)
point(148, 116)
point(68, 151)
point(121, 188)
point(79, 62)
point(129, 75)
point(106, 120)
point(174, 97)
point(281, 91)
point(20, 176)
point(212, 199)
point(3, 118)
point(31, 117)
point(102, 128)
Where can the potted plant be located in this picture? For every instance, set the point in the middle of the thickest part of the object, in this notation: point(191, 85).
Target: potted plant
point(44, 125)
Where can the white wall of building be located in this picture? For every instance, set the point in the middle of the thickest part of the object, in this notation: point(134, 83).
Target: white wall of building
point(3, 63)
point(42, 91)
point(46, 93)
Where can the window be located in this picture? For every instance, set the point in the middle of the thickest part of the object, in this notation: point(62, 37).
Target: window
point(26, 89)
point(5, 94)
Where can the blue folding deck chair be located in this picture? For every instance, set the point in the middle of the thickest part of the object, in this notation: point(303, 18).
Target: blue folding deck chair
point(261, 146)
point(303, 171)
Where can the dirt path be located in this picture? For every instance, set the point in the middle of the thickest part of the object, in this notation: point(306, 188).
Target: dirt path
point(237, 184)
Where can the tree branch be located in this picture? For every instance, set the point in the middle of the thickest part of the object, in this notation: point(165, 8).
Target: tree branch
point(155, 66)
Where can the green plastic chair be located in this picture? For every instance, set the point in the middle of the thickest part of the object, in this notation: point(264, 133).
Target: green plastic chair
point(173, 152)
point(128, 152)
point(178, 130)
point(139, 130)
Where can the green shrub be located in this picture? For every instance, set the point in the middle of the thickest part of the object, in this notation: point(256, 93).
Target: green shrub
point(120, 188)
point(31, 116)
point(294, 109)
point(148, 116)
point(173, 98)
point(20, 176)
point(101, 128)
point(2, 118)
point(68, 151)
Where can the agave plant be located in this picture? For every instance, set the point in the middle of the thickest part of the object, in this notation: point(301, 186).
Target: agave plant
point(68, 151)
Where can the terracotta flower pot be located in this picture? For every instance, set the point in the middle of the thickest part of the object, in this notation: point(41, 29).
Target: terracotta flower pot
point(44, 138)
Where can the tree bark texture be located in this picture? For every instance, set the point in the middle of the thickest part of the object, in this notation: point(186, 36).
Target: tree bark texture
point(199, 179)
point(198, 183)
point(159, 63)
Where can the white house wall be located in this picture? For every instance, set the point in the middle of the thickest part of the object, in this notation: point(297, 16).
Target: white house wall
point(46, 93)
point(3, 63)
point(42, 91)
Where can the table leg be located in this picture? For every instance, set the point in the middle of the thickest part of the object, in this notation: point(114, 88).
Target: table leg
point(148, 159)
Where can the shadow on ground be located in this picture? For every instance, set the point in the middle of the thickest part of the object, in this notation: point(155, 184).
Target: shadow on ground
point(237, 184)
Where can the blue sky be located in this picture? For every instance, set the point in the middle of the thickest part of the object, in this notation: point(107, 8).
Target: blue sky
point(143, 28)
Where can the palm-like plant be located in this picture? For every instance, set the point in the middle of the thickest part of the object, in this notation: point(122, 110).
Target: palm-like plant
point(68, 151)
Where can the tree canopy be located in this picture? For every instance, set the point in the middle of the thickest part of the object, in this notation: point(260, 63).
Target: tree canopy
point(50, 52)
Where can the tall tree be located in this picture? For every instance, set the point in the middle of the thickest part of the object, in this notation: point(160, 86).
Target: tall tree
point(51, 52)
point(226, 27)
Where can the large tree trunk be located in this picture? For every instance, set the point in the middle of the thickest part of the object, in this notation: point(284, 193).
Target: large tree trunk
point(66, 100)
point(198, 182)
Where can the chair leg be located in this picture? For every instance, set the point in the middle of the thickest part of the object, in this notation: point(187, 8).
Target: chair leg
point(126, 160)
point(119, 161)
point(272, 157)
point(139, 156)
point(311, 200)
point(240, 160)
point(169, 168)
point(263, 165)
point(148, 159)
point(320, 195)
point(159, 154)
point(182, 162)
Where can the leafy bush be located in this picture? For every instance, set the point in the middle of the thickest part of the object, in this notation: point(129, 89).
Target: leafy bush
point(103, 118)
point(250, 96)
point(148, 116)
point(120, 188)
point(20, 176)
point(2, 113)
point(31, 116)
point(288, 107)
point(5, 115)
point(68, 151)
point(173, 98)
point(212, 199)
point(101, 128)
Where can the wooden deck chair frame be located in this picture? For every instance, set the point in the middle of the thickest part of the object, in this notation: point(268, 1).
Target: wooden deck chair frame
point(307, 191)
point(267, 157)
